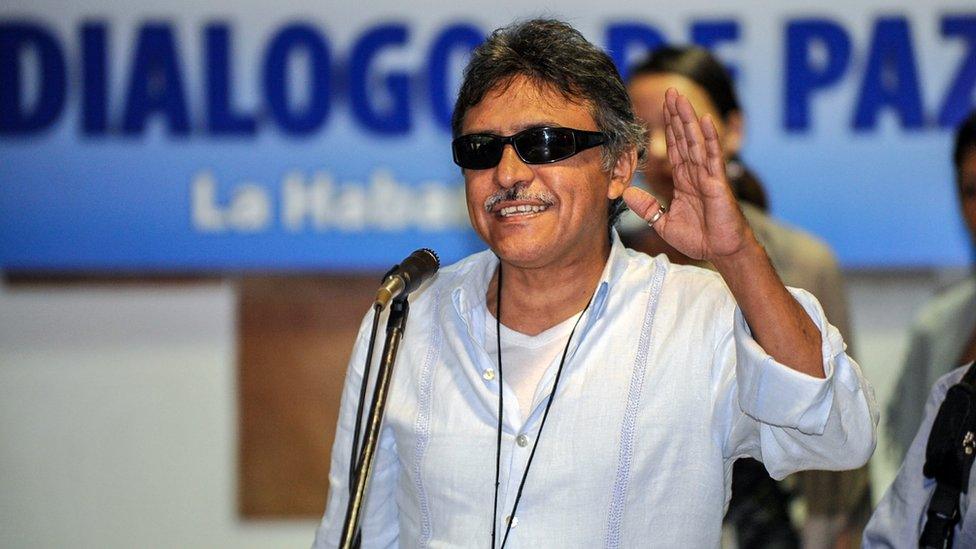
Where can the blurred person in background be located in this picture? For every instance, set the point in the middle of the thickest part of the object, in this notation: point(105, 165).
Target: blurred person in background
point(903, 512)
point(943, 335)
point(837, 503)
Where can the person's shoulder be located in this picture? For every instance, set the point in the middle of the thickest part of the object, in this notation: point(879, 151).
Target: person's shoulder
point(477, 261)
point(640, 261)
point(780, 237)
point(947, 303)
point(691, 284)
point(464, 271)
point(948, 380)
point(942, 385)
point(959, 291)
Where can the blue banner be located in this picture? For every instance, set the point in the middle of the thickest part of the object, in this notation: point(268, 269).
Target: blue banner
point(239, 139)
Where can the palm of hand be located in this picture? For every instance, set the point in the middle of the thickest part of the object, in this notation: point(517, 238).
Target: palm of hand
point(704, 220)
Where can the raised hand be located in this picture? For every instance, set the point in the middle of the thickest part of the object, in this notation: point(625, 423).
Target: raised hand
point(703, 220)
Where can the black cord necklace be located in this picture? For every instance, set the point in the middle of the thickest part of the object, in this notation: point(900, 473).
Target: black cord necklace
point(542, 424)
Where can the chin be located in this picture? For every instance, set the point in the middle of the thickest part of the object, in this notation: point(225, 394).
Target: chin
point(521, 254)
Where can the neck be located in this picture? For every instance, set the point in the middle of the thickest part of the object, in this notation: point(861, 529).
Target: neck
point(536, 299)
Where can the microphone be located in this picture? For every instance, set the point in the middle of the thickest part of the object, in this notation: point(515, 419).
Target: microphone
point(407, 276)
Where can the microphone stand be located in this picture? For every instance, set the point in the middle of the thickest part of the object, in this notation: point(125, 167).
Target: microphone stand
point(394, 334)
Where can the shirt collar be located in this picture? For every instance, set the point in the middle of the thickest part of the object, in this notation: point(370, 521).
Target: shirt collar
point(612, 271)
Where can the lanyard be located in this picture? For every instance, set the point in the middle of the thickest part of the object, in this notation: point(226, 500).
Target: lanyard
point(501, 402)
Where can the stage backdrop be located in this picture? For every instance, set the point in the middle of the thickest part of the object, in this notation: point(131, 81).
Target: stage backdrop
point(292, 136)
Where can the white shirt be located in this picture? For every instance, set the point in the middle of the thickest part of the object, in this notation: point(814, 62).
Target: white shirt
point(526, 358)
point(662, 390)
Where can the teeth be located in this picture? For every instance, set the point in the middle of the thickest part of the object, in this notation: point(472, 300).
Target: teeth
point(523, 209)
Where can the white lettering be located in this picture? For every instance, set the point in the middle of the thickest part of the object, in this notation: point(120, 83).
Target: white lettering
point(301, 202)
point(250, 209)
point(390, 201)
point(319, 204)
point(205, 212)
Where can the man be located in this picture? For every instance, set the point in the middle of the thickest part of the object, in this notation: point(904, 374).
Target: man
point(944, 335)
point(610, 408)
point(944, 332)
point(900, 517)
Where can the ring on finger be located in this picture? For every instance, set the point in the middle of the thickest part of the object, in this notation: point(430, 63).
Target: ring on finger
point(661, 210)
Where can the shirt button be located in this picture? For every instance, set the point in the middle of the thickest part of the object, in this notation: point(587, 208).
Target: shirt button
point(488, 374)
point(522, 440)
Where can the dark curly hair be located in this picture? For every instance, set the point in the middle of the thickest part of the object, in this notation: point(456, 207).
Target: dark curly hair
point(965, 139)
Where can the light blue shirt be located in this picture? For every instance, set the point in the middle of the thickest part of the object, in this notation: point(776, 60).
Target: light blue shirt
point(900, 516)
point(662, 390)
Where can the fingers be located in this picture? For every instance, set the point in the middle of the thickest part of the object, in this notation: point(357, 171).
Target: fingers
point(674, 156)
point(690, 139)
point(643, 204)
point(692, 129)
point(715, 161)
point(673, 121)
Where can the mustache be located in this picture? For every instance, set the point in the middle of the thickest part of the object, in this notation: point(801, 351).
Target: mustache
point(518, 193)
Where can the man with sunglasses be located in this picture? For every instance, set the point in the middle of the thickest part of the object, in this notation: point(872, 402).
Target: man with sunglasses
point(560, 390)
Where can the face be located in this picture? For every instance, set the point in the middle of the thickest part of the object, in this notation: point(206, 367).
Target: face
point(540, 215)
point(966, 177)
point(647, 95)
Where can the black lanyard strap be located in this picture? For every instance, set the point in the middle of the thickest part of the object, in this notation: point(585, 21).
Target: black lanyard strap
point(542, 423)
point(949, 457)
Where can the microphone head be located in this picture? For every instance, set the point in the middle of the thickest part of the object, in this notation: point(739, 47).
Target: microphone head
point(430, 256)
point(408, 275)
point(421, 265)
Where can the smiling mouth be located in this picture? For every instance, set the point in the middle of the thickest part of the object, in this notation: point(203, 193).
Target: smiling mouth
point(524, 209)
point(518, 201)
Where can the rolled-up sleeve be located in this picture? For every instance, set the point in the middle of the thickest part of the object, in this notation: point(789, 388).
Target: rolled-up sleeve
point(793, 421)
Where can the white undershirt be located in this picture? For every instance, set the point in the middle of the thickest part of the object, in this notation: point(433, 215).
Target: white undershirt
point(526, 358)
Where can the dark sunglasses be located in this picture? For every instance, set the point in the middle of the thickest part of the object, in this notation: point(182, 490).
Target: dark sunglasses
point(480, 151)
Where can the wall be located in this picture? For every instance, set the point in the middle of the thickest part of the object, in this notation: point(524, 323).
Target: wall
point(118, 420)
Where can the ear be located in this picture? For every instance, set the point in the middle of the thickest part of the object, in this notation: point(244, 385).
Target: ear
point(622, 173)
point(734, 133)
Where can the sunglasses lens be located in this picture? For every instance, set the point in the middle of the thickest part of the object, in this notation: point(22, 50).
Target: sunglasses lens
point(534, 146)
point(544, 145)
point(477, 152)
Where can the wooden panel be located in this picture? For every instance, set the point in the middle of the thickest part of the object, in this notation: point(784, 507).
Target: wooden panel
point(295, 338)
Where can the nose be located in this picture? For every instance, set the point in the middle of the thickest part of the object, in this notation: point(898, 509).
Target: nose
point(511, 170)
